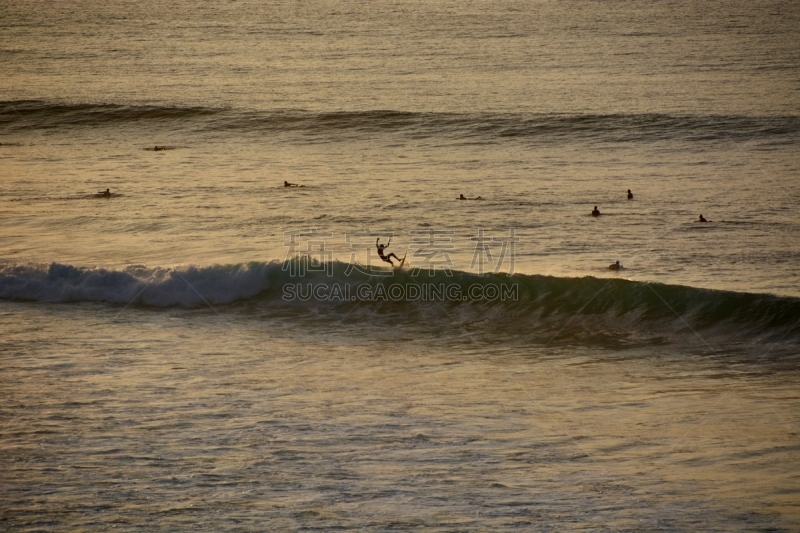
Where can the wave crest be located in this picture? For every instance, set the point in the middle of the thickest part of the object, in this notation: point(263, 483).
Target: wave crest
point(544, 127)
point(537, 300)
point(159, 287)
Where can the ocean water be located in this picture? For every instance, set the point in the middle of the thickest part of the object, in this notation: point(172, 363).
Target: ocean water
point(206, 349)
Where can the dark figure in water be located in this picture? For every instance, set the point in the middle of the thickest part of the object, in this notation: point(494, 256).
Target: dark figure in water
point(287, 184)
point(159, 148)
point(381, 248)
point(702, 219)
point(615, 266)
point(595, 212)
point(630, 195)
point(105, 193)
point(462, 197)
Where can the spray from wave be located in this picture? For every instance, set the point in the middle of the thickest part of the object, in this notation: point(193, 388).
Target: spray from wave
point(159, 287)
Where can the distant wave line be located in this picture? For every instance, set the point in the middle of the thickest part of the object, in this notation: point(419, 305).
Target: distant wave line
point(17, 115)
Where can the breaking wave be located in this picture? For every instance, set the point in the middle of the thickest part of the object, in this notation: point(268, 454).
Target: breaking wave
point(513, 304)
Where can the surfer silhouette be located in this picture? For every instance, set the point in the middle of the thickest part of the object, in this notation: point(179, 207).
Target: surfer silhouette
point(105, 193)
point(462, 197)
point(381, 248)
point(615, 266)
point(287, 184)
point(630, 195)
point(702, 219)
point(595, 212)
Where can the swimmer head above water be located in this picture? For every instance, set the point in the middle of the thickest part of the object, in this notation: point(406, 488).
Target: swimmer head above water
point(595, 212)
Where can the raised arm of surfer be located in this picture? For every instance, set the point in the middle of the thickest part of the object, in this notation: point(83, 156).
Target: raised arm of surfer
point(381, 248)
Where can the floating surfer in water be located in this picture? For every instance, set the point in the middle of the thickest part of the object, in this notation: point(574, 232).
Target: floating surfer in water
point(381, 248)
point(103, 194)
point(462, 197)
point(159, 148)
point(702, 219)
point(630, 195)
point(595, 212)
point(615, 266)
point(287, 184)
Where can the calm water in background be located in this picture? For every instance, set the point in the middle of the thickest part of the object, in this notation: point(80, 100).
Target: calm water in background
point(210, 403)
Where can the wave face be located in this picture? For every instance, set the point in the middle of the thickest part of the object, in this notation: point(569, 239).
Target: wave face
point(35, 113)
point(523, 304)
point(19, 115)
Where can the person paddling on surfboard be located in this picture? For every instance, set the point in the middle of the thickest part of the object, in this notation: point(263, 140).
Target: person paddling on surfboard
point(381, 248)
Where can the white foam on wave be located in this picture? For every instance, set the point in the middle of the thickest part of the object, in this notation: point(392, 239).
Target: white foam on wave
point(536, 303)
point(182, 286)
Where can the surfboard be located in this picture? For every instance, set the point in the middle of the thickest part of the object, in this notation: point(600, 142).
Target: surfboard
point(402, 261)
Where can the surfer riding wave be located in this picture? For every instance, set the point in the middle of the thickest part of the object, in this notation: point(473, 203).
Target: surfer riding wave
point(381, 248)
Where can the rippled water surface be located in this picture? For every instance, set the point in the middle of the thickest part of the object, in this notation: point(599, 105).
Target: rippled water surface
point(186, 420)
point(155, 376)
